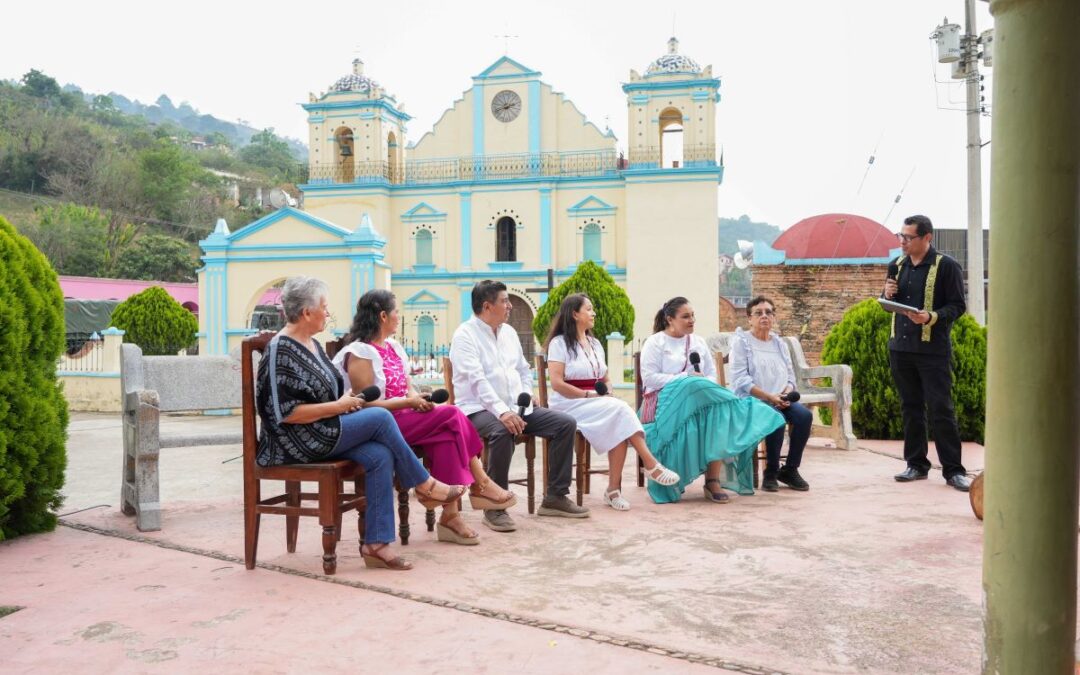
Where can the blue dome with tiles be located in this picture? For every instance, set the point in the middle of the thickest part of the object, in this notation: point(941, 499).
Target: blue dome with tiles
point(673, 62)
point(356, 80)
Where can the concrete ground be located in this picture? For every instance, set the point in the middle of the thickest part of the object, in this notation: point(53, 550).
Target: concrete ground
point(861, 574)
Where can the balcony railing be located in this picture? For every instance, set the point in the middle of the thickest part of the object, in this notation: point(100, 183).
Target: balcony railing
point(476, 168)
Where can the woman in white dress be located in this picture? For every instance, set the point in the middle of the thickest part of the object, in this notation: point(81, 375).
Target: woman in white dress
point(575, 365)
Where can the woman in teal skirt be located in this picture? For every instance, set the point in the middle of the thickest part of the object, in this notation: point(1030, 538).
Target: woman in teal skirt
point(693, 425)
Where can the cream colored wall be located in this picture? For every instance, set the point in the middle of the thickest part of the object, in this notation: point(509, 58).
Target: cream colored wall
point(346, 211)
point(92, 394)
point(672, 249)
point(567, 228)
point(452, 134)
point(505, 138)
point(565, 128)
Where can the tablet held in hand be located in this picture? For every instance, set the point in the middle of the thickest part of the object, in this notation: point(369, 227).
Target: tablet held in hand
point(896, 307)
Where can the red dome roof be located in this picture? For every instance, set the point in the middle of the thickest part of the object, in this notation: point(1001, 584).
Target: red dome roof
point(836, 235)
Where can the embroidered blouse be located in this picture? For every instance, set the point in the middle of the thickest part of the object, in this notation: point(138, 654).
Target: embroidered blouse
point(388, 363)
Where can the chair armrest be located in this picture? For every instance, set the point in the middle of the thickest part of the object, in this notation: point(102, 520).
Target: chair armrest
point(836, 371)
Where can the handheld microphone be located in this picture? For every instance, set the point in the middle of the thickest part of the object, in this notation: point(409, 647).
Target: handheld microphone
point(437, 396)
point(524, 401)
point(695, 361)
point(791, 396)
point(370, 394)
point(601, 388)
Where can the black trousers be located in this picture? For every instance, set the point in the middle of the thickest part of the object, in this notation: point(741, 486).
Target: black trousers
point(924, 382)
point(557, 427)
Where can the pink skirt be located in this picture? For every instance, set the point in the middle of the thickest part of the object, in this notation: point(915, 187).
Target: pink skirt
point(446, 437)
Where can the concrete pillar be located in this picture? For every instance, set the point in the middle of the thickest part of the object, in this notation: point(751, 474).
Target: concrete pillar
point(615, 359)
point(1033, 398)
point(112, 338)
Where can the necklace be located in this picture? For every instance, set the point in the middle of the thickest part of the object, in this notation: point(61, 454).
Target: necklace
point(591, 357)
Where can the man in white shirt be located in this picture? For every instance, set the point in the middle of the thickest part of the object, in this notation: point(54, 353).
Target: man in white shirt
point(490, 373)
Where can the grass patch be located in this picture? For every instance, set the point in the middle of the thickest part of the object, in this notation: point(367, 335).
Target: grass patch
point(8, 609)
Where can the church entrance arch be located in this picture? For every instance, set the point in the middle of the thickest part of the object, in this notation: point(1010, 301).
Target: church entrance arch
point(521, 318)
point(263, 310)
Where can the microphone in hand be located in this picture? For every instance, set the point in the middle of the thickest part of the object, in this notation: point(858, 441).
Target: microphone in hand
point(370, 394)
point(601, 388)
point(524, 400)
point(695, 361)
point(791, 396)
point(438, 396)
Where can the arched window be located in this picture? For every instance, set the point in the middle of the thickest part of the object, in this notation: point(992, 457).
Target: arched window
point(590, 244)
point(425, 335)
point(393, 171)
point(671, 139)
point(345, 160)
point(506, 240)
point(423, 247)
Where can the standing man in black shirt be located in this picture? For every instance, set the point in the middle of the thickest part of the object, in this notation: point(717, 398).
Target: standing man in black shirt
point(920, 349)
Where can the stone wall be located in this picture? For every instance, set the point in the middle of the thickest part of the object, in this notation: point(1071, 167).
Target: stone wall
point(810, 299)
point(731, 317)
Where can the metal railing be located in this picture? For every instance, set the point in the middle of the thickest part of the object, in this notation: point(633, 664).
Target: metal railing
point(425, 359)
point(82, 353)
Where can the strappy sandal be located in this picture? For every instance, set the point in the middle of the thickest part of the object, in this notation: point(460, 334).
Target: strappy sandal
point(615, 500)
point(666, 477)
point(715, 497)
point(430, 501)
point(372, 560)
point(481, 502)
point(445, 532)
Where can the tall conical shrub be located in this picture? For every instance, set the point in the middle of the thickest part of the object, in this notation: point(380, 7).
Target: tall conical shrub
point(614, 312)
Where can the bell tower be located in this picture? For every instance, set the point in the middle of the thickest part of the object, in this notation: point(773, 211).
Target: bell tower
point(672, 175)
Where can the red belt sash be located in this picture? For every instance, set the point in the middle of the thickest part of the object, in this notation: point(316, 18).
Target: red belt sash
point(586, 385)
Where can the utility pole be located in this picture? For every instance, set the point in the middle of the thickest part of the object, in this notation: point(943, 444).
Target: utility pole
point(962, 51)
point(976, 304)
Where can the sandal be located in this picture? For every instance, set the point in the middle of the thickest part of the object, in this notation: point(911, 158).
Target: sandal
point(666, 477)
point(373, 560)
point(480, 502)
point(428, 499)
point(615, 500)
point(715, 497)
point(450, 534)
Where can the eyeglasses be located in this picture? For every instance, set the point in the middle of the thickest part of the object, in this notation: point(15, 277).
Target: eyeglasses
point(763, 312)
point(908, 238)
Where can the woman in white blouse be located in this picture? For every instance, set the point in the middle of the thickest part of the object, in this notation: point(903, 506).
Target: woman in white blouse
point(692, 423)
point(575, 364)
point(761, 367)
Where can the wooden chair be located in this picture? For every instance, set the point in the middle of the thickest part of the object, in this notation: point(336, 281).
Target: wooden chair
point(639, 397)
point(529, 440)
point(404, 530)
point(329, 478)
point(583, 470)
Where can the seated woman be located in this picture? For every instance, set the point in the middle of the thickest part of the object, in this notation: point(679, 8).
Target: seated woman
point(442, 433)
point(575, 364)
point(761, 367)
point(309, 415)
point(693, 424)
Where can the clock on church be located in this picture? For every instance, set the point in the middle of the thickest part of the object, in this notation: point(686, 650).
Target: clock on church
point(506, 106)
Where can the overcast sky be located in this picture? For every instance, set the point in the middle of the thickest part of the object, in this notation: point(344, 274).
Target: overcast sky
point(809, 88)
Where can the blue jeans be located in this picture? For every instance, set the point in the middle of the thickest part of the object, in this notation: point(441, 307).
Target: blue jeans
point(370, 437)
point(800, 418)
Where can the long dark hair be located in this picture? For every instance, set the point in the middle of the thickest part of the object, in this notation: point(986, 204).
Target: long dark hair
point(668, 311)
point(365, 324)
point(564, 323)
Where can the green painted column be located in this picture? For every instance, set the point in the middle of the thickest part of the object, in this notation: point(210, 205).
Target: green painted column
point(1033, 406)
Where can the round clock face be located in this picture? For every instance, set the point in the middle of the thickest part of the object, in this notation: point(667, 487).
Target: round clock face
point(506, 106)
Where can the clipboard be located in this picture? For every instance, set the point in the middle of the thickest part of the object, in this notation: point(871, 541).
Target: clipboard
point(896, 307)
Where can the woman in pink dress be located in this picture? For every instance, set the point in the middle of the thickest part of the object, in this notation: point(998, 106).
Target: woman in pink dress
point(442, 433)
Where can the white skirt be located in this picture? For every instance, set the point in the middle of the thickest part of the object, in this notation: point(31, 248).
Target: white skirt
point(605, 421)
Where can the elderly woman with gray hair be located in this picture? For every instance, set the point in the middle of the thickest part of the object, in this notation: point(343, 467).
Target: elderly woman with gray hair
point(309, 415)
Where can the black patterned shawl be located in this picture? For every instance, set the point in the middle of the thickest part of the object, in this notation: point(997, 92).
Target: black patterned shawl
point(290, 375)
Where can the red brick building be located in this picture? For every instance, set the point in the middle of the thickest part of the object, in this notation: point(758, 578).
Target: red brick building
point(820, 267)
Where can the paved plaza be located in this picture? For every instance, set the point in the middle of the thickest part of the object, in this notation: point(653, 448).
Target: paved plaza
point(860, 575)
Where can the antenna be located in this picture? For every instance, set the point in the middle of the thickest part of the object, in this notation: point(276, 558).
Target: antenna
point(870, 163)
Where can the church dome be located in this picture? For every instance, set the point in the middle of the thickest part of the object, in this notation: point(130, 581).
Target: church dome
point(356, 80)
point(836, 235)
point(673, 62)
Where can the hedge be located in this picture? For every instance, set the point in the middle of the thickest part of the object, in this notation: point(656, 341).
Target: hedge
point(614, 312)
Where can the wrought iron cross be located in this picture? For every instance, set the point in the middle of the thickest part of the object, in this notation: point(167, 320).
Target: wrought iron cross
point(506, 41)
point(550, 284)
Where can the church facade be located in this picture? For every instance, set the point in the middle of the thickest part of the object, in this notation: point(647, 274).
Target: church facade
point(511, 182)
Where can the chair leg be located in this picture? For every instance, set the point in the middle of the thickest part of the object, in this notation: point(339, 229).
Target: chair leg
point(530, 465)
point(429, 519)
point(640, 471)
point(403, 515)
point(251, 533)
point(587, 457)
point(579, 444)
point(292, 521)
point(361, 510)
point(757, 465)
point(329, 515)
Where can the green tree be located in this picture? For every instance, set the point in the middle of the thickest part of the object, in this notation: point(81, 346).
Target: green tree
point(33, 412)
point(40, 85)
point(268, 151)
point(72, 237)
point(157, 257)
point(860, 340)
point(166, 177)
point(614, 312)
point(156, 322)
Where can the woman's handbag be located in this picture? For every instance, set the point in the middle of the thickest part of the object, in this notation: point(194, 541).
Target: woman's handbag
point(647, 414)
